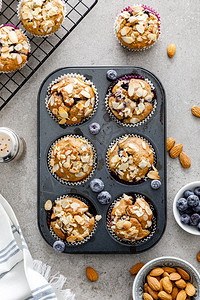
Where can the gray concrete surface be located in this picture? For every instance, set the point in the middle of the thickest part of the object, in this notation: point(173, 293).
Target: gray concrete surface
point(92, 43)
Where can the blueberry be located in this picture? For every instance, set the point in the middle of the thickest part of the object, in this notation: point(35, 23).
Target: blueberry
point(188, 211)
point(111, 75)
point(193, 200)
point(97, 185)
point(187, 193)
point(196, 208)
point(185, 219)
point(94, 128)
point(197, 191)
point(198, 226)
point(59, 246)
point(194, 219)
point(181, 204)
point(155, 184)
point(104, 197)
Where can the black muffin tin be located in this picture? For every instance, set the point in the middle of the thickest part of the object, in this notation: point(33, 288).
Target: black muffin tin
point(154, 130)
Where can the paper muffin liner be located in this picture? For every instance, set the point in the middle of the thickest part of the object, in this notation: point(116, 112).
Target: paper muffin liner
point(115, 176)
point(91, 208)
point(46, 35)
point(29, 50)
point(153, 102)
point(150, 9)
point(66, 182)
point(85, 119)
point(152, 229)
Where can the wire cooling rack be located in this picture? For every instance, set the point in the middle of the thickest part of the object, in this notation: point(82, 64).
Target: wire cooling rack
point(41, 48)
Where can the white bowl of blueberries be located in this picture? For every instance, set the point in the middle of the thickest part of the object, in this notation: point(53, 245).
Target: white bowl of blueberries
point(186, 207)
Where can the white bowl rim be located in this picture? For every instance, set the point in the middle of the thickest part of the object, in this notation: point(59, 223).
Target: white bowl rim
point(185, 227)
point(166, 258)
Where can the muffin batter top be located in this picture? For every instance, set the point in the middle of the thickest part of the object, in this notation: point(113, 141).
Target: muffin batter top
point(137, 28)
point(14, 48)
point(72, 99)
point(72, 159)
point(130, 158)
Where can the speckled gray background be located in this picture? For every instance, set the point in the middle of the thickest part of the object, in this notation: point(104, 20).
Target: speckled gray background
point(93, 43)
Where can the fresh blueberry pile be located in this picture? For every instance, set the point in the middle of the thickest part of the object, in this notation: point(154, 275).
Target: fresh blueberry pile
point(189, 207)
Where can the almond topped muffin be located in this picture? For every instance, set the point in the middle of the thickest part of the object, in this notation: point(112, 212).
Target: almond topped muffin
point(71, 220)
point(72, 159)
point(131, 100)
point(137, 27)
point(72, 100)
point(130, 159)
point(41, 17)
point(131, 221)
point(14, 48)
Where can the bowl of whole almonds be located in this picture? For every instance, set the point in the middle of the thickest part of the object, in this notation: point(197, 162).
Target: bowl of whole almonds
point(167, 278)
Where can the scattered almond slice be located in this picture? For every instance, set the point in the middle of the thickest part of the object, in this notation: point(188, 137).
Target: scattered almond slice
point(153, 175)
point(48, 205)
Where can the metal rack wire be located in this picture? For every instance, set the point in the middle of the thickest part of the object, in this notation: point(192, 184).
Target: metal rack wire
point(41, 48)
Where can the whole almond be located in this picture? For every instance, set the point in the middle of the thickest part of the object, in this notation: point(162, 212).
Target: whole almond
point(183, 274)
point(153, 283)
point(174, 293)
point(146, 296)
point(184, 160)
point(91, 274)
point(171, 50)
point(176, 150)
point(170, 143)
point(174, 276)
point(196, 111)
point(181, 295)
point(153, 293)
point(156, 272)
point(198, 257)
point(136, 268)
point(167, 285)
point(146, 287)
point(165, 274)
point(181, 284)
point(169, 270)
point(161, 284)
point(190, 289)
point(164, 296)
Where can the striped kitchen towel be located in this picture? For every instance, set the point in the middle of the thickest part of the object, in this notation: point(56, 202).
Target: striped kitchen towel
point(21, 278)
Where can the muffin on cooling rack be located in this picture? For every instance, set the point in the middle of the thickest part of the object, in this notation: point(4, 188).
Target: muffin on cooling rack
point(131, 221)
point(14, 50)
point(72, 100)
point(130, 158)
point(138, 27)
point(71, 219)
point(131, 100)
point(72, 159)
point(41, 17)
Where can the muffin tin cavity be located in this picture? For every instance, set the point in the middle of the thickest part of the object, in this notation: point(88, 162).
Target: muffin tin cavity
point(51, 187)
point(92, 210)
point(152, 228)
point(115, 175)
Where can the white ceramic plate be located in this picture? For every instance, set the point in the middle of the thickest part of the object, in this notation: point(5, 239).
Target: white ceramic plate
point(188, 228)
point(138, 285)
